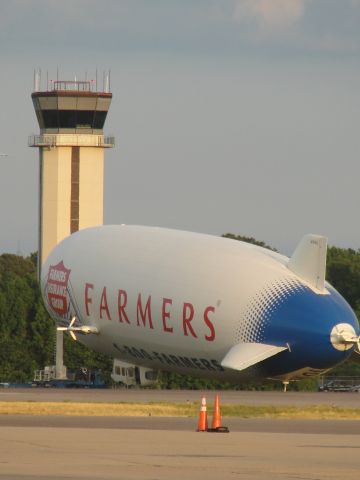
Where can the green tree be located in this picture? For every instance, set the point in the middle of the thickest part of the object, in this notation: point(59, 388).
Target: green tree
point(343, 272)
point(251, 240)
point(27, 333)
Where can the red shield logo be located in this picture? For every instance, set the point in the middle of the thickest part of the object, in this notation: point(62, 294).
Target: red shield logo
point(57, 293)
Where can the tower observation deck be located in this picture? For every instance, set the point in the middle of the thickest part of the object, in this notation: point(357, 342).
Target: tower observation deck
point(71, 142)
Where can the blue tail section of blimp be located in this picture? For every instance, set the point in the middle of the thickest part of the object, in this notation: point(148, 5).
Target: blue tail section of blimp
point(288, 313)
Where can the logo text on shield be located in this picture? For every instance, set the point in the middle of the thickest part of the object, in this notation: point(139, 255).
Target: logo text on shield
point(57, 283)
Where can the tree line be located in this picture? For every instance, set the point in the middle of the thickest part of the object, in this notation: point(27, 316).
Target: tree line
point(27, 333)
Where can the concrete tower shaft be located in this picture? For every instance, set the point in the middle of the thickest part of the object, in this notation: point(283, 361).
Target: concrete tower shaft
point(71, 146)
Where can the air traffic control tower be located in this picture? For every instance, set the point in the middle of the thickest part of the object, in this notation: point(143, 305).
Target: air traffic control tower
point(71, 116)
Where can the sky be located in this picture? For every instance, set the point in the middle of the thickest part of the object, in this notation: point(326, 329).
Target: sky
point(236, 116)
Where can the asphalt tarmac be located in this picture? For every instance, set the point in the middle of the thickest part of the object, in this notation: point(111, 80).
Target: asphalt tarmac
point(340, 399)
point(59, 448)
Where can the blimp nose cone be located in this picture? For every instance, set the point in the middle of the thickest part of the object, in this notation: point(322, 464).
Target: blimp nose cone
point(343, 337)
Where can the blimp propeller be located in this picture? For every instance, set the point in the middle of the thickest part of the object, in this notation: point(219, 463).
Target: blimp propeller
point(85, 329)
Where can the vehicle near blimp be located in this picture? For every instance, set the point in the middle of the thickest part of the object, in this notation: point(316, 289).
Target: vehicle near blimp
point(129, 375)
point(199, 304)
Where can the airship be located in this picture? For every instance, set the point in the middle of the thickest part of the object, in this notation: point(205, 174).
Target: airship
point(160, 299)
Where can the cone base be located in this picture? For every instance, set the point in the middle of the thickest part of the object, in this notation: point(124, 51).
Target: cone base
point(218, 430)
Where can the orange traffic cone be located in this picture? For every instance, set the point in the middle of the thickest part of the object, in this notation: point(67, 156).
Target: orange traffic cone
point(216, 421)
point(202, 423)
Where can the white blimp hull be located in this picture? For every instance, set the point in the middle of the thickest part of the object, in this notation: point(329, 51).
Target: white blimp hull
point(199, 304)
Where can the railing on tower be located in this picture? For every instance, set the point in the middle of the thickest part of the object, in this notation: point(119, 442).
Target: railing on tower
point(61, 140)
point(72, 85)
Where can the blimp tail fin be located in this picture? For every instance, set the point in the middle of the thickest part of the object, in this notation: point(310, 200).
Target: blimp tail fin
point(309, 261)
point(244, 355)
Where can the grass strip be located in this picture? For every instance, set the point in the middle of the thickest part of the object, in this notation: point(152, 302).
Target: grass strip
point(324, 412)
